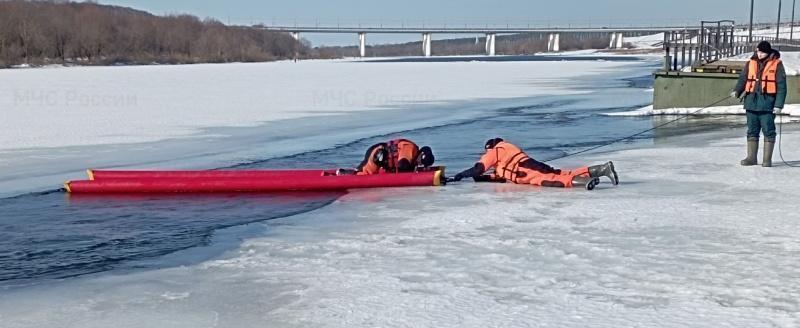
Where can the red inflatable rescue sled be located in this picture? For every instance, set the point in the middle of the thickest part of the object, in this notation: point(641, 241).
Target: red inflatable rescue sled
point(117, 182)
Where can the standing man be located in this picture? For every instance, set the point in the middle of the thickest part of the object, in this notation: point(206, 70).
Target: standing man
point(763, 85)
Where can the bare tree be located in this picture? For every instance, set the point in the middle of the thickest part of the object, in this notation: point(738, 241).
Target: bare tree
point(89, 33)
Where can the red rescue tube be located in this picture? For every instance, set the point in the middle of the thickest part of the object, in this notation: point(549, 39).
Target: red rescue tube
point(285, 183)
point(204, 174)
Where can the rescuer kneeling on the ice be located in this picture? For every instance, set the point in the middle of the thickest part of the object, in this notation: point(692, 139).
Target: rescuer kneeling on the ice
point(395, 156)
point(512, 165)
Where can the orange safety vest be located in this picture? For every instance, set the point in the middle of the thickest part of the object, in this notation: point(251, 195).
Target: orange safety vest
point(769, 77)
point(505, 158)
point(400, 149)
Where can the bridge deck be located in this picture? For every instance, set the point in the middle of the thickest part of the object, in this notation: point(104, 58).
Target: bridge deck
point(471, 30)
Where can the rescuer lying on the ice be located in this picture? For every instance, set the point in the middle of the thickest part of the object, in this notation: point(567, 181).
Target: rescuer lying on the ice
point(512, 165)
point(398, 155)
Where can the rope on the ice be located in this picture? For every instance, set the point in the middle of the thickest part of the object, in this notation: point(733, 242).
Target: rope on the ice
point(780, 139)
point(642, 132)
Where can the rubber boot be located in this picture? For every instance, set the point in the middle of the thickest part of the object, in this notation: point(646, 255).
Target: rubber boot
point(587, 182)
point(605, 170)
point(752, 150)
point(769, 146)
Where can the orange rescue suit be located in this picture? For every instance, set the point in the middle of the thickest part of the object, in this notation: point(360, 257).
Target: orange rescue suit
point(513, 165)
point(401, 157)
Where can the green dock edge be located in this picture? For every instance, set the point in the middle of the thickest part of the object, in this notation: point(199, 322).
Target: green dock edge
point(693, 90)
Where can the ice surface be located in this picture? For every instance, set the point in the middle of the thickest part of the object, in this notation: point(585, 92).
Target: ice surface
point(58, 107)
point(790, 110)
point(59, 121)
point(689, 238)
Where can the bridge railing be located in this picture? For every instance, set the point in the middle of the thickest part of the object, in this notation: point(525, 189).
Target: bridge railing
point(683, 46)
point(474, 23)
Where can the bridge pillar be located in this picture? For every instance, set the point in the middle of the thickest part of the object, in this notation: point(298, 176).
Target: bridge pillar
point(617, 41)
point(553, 42)
point(490, 44)
point(362, 44)
point(426, 44)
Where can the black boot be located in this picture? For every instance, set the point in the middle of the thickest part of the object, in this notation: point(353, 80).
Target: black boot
point(752, 152)
point(605, 170)
point(769, 146)
point(587, 182)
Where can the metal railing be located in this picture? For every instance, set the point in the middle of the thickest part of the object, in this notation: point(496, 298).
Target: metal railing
point(714, 40)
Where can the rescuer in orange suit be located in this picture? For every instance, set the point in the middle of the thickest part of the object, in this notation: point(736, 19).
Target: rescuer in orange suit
point(512, 165)
point(395, 156)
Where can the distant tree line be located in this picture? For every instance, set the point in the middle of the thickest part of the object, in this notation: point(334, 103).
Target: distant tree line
point(45, 32)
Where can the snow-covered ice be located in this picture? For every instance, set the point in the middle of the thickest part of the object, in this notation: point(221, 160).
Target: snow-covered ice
point(56, 122)
point(74, 106)
point(689, 238)
point(792, 111)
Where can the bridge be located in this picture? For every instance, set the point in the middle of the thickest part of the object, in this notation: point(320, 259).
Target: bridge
point(616, 35)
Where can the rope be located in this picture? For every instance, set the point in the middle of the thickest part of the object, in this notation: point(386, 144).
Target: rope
point(642, 132)
point(780, 140)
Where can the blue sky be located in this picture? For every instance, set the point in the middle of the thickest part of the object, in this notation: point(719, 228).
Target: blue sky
point(461, 12)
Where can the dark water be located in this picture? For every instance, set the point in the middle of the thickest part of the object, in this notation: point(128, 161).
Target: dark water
point(56, 235)
point(53, 235)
